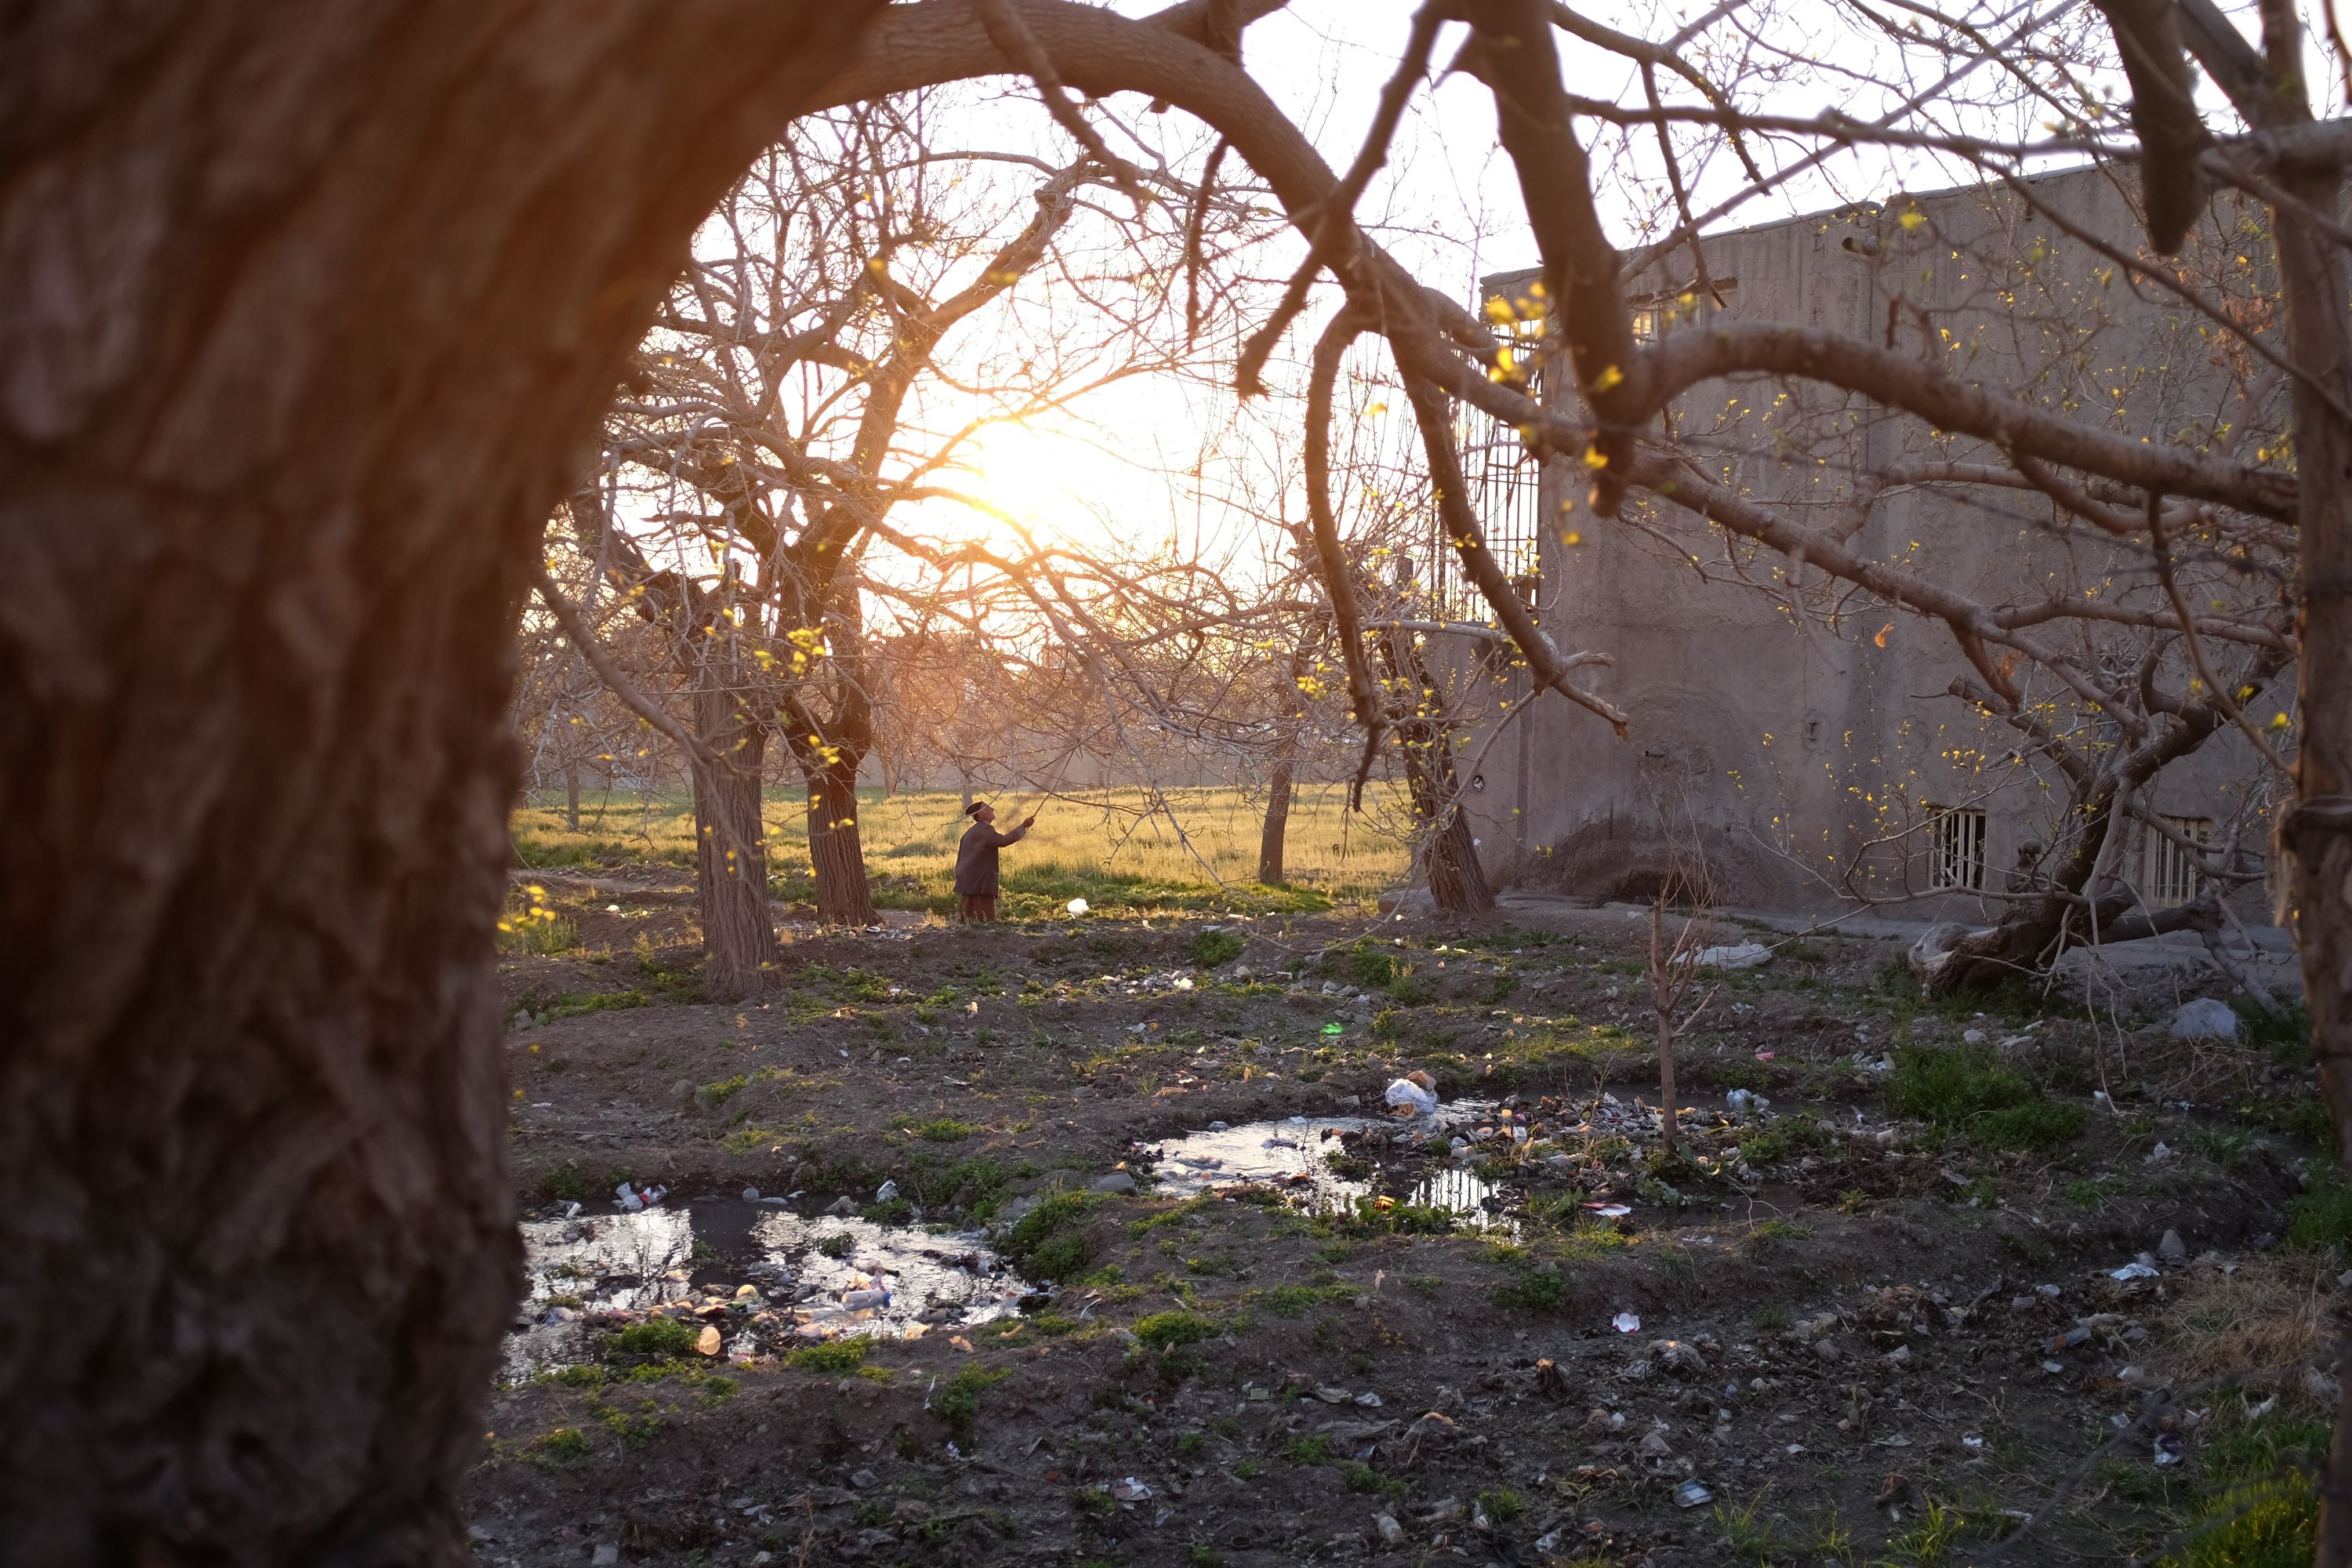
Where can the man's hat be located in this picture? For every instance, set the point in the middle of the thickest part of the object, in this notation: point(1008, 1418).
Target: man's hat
point(973, 809)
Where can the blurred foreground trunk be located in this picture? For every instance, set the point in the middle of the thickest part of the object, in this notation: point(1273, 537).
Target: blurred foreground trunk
point(310, 309)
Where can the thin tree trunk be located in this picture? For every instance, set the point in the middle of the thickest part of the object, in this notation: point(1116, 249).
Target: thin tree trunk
point(1270, 842)
point(571, 792)
point(1272, 839)
point(843, 895)
point(1665, 997)
point(309, 307)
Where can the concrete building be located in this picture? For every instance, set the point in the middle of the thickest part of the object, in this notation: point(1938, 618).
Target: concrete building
point(1818, 759)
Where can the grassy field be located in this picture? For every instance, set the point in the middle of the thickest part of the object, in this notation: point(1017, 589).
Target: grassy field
point(1107, 849)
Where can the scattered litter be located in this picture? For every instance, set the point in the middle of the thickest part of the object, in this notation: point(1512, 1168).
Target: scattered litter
point(886, 1192)
point(1128, 1489)
point(2133, 1271)
point(1335, 1028)
point(1414, 1094)
point(1971, 1441)
point(1613, 1211)
point(2169, 1449)
point(1739, 955)
point(1076, 906)
point(1676, 1356)
point(1693, 1494)
point(1391, 1533)
point(1626, 1323)
point(632, 1200)
point(2205, 1018)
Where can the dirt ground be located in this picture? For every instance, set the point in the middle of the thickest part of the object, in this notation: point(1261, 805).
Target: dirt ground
point(1854, 1319)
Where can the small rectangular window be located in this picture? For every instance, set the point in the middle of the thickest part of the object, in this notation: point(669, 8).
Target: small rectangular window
point(2168, 873)
point(1956, 848)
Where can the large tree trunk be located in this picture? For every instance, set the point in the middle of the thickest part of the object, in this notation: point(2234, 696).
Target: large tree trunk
point(1449, 855)
point(308, 309)
point(1457, 882)
point(843, 896)
point(2318, 829)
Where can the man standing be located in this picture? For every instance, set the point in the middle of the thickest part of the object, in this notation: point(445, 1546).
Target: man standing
point(976, 862)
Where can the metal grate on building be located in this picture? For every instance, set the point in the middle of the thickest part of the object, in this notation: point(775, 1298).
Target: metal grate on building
point(1956, 848)
point(2168, 873)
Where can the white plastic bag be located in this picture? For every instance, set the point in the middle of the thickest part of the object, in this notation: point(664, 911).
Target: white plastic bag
point(1405, 1094)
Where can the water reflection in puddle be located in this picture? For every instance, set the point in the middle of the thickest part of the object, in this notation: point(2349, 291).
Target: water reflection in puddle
point(589, 1275)
point(1294, 1155)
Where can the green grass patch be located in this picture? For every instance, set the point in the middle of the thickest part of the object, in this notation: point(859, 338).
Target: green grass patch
point(1967, 1090)
point(2258, 1507)
point(2321, 1219)
point(1536, 1288)
point(957, 1401)
point(658, 1337)
point(837, 1358)
point(1216, 946)
point(1050, 1241)
point(1172, 1329)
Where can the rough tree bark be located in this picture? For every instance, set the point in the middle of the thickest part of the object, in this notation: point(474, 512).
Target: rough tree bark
point(1449, 853)
point(831, 750)
point(2318, 830)
point(731, 863)
point(836, 854)
point(307, 311)
point(1271, 840)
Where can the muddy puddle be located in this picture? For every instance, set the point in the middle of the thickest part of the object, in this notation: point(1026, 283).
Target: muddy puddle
point(1446, 1160)
point(1297, 1156)
point(766, 1278)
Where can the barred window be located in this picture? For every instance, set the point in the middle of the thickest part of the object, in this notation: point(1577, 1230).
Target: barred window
point(2168, 873)
point(1956, 845)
